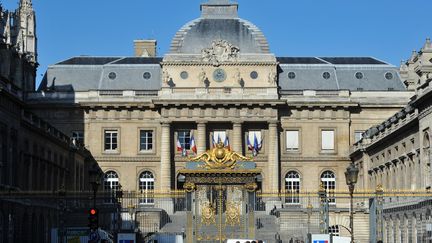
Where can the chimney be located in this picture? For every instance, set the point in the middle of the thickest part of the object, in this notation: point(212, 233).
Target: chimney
point(145, 48)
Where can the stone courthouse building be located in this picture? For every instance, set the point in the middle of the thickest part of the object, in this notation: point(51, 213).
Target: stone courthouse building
point(140, 115)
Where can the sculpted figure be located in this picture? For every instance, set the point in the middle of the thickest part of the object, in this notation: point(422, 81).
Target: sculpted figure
point(272, 78)
point(165, 76)
point(220, 51)
point(202, 76)
point(237, 77)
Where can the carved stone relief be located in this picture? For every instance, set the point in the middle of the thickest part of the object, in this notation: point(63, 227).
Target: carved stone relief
point(220, 51)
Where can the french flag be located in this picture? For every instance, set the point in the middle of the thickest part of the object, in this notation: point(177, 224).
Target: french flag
point(255, 147)
point(193, 145)
point(226, 143)
point(214, 141)
point(249, 145)
point(179, 146)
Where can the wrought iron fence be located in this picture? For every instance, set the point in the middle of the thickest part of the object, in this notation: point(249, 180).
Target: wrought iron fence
point(391, 216)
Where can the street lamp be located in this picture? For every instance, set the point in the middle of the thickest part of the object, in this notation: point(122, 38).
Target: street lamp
point(351, 175)
point(324, 209)
point(309, 213)
point(94, 181)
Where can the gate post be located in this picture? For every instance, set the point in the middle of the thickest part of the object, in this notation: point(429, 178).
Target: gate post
point(190, 236)
point(251, 214)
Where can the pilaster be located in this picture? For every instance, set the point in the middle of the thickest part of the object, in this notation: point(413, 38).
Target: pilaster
point(237, 137)
point(201, 137)
point(165, 165)
point(272, 182)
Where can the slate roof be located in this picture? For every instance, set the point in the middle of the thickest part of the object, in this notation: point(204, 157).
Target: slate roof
point(92, 73)
point(307, 73)
point(200, 33)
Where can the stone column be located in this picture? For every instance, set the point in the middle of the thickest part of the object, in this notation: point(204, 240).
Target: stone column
point(273, 158)
point(419, 177)
point(165, 165)
point(366, 171)
point(237, 137)
point(201, 137)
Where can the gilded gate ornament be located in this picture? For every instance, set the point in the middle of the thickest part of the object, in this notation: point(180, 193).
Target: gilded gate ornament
point(189, 187)
point(220, 158)
point(208, 214)
point(251, 187)
point(232, 213)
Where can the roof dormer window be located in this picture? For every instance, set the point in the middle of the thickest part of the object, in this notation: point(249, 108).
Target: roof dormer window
point(112, 75)
point(389, 76)
point(326, 75)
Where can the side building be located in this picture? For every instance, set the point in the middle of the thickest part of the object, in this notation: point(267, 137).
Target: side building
point(396, 156)
point(37, 161)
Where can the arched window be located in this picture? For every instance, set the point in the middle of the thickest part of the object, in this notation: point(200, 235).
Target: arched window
point(292, 187)
point(146, 187)
point(111, 181)
point(328, 180)
point(111, 184)
point(334, 230)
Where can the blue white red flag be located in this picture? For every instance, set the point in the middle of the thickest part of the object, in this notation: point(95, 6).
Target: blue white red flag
point(179, 146)
point(226, 143)
point(193, 145)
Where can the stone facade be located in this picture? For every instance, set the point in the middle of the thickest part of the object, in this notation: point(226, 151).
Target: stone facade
point(396, 155)
point(131, 112)
point(219, 80)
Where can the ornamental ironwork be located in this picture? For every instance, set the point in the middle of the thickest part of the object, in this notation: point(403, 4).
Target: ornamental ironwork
point(220, 157)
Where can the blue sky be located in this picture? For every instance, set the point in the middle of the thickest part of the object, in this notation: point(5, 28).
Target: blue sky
point(386, 29)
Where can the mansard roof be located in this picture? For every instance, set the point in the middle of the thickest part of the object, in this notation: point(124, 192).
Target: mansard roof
point(295, 73)
point(338, 73)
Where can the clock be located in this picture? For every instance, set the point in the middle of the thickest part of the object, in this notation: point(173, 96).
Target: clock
point(219, 75)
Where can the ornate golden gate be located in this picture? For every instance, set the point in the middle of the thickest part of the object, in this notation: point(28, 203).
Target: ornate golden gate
point(221, 187)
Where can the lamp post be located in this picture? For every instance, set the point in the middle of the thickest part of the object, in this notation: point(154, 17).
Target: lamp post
point(309, 213)
point(324, 210)
point(94, 181)
point(351, 175)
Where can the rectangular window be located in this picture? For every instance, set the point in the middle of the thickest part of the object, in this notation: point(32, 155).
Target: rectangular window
point(327, 140)
point(111, 140)
point(184, 137)
point(78, 136)
point(219, 136)
point(292, 140)
point(146, 140)
point(358, 135)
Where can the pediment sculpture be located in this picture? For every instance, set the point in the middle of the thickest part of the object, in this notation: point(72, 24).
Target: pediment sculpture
point(220, 51)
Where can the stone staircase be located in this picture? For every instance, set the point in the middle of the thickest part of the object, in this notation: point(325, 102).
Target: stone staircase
point(267, 227)
point(177, 223)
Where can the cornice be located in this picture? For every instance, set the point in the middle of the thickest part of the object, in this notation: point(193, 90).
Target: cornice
point(192, 63)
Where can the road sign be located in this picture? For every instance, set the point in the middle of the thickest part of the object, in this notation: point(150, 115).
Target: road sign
point(320, 238)
point(94, 236)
